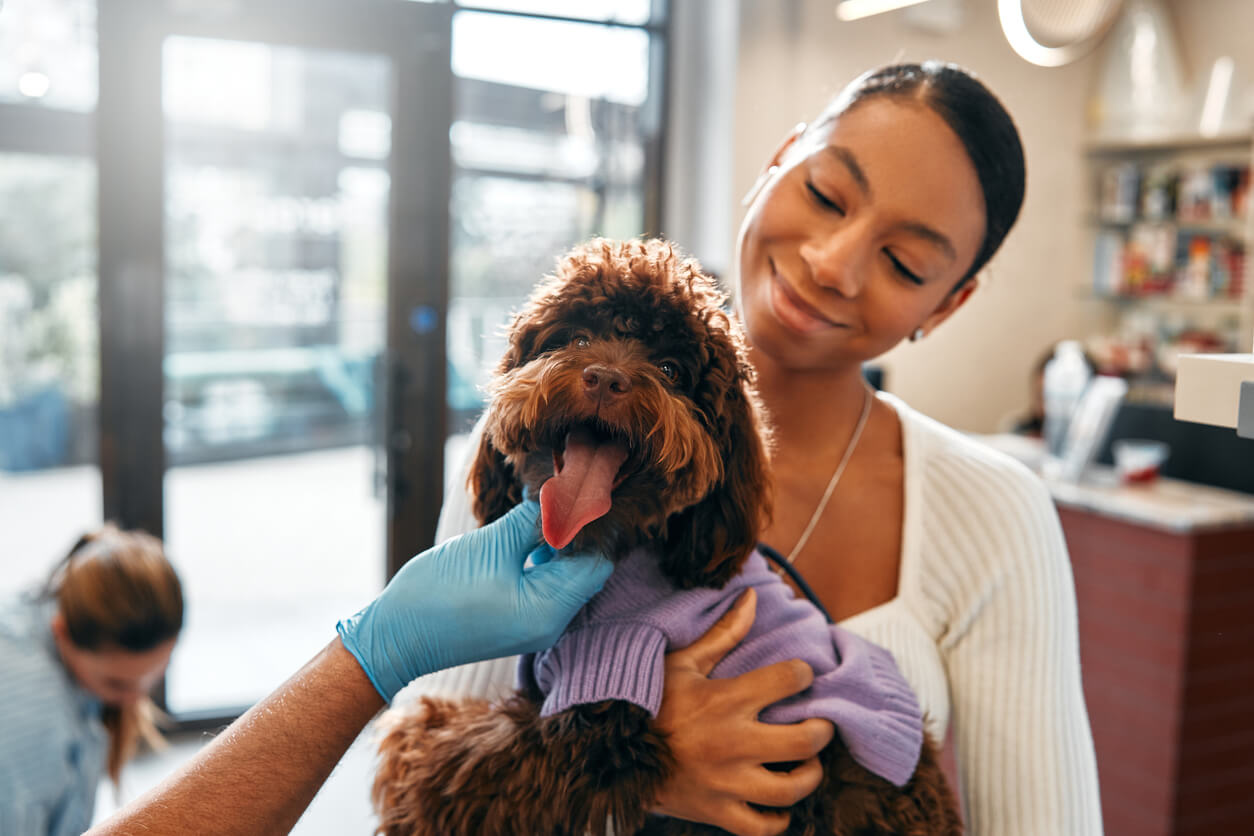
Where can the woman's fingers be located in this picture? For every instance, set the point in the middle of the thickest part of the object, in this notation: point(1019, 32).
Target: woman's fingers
point(759, 688)
point(707, 651)
point(768, 789)
point(796, 742)
point(743, 820)
point(784, 789)
point(737, 810)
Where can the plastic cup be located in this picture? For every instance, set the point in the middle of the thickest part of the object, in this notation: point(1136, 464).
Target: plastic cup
point(1138, 460)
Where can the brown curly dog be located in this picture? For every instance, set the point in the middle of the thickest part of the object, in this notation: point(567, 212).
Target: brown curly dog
point(626, 402)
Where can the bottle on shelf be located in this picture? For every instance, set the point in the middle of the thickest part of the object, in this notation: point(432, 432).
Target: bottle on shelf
point(1067, 375)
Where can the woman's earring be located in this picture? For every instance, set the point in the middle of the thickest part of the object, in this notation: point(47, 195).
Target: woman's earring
point(917, 335)
point(758, 184)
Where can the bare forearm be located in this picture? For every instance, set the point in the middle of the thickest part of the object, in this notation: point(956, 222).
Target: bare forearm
point(259, 775)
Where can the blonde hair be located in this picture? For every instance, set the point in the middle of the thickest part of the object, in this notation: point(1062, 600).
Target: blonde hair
point(116, 590)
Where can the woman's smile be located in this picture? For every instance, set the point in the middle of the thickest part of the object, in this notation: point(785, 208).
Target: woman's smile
point(793, 311)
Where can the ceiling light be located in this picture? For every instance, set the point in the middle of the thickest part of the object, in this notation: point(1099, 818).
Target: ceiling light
point(33, 85)
point(1075, 28)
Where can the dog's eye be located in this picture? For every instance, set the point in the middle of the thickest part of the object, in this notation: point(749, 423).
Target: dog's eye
point(582, 342)
point(669, 369)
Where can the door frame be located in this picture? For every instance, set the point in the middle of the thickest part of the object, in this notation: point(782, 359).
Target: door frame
point(130, 146)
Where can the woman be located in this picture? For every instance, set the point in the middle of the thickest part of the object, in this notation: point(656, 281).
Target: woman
point(77, 663)
point(868, 227)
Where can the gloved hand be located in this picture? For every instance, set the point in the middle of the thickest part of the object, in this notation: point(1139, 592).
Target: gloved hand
point(470, 599)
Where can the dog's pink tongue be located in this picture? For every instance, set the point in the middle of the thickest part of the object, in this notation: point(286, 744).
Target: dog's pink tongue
point(579, 492)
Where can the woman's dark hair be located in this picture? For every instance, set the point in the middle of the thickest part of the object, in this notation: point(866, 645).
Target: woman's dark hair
point(978, 119)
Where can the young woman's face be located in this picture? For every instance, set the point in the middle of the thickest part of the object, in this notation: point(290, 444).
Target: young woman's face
point(859, 237)
point(115, 675)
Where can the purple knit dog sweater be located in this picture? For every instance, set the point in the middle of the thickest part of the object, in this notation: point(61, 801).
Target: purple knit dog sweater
point(614, 649)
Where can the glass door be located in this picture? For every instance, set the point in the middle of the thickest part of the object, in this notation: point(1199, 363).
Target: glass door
point(49, 477)
point(299, 189)
point(275, 313)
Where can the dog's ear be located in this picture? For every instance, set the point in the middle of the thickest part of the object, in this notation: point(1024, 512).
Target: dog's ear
point(493, 486)
point(707, 543)
point(536, 325)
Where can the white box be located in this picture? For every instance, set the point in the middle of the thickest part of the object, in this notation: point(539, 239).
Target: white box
point(1208, 387)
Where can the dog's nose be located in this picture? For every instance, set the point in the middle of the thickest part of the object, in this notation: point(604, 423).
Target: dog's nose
point(605, 383)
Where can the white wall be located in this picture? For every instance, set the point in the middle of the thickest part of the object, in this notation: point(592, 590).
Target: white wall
point(972, 371)
point(1209, 29)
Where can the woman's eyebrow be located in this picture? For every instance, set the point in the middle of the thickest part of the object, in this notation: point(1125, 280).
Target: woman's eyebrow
point(851, 164)
point(922, 230)
point(931, 235)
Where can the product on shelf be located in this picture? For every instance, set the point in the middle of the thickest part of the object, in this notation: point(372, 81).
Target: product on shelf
point(1171, 228)
point(1120, 193)
point(1163, 259)
point(1173, 191)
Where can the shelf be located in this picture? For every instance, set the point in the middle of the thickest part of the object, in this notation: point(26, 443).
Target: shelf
point(1169, 143)
point(1166, 300)
point(1132, 174)
point(1233, 227)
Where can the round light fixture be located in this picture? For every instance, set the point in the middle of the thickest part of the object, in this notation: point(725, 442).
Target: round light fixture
point(1051, 33)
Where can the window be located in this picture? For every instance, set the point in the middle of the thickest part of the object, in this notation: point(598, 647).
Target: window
point(48, 54)
point(49, 480)
point(278, 165)
point(554, 141)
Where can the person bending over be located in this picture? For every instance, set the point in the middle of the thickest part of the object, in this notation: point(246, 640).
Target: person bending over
point(77, 662)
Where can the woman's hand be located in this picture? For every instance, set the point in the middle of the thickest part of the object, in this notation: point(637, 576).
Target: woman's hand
point(718, 743)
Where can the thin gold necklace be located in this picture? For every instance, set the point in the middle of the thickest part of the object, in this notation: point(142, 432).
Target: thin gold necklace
point(831, 483)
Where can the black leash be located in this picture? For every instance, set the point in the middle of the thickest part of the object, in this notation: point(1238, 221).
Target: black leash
point(791, 571)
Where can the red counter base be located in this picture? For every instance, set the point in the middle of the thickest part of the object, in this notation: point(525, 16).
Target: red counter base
point(1167, 648)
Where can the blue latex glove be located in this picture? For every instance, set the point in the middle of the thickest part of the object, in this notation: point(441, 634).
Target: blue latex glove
point(468, 599)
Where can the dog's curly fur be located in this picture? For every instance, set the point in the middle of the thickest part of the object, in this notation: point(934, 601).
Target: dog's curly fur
point(694, 489)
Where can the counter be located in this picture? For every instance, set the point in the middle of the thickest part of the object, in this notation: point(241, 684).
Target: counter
point(1167, 504)
point(1164, 577)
